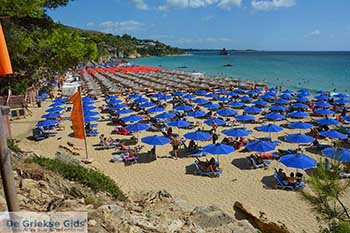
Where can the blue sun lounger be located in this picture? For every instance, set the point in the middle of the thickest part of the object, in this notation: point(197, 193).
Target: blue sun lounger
point(199, 171)
point(283, 184)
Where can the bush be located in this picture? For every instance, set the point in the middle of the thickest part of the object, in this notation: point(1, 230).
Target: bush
point(339, 227)
point(96, 180)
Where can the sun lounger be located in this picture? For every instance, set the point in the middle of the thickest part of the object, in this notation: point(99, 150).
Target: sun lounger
point(255, 166)
point(38, 134)
point(198, 153)
point(283, 184)
point(92, 133)
point(50, 133)
point(199, 171)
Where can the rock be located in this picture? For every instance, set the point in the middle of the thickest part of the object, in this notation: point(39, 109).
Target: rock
point(260, 223)
point(175, 226)
point(113, 210)
point(210, 217)
point(183, 205)
point(92, 223)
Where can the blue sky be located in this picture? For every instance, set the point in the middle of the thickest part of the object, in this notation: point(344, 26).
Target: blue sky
point(233, 24)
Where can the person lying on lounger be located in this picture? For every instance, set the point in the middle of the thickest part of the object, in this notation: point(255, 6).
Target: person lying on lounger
point(292, 181)
point(192, 145)
point(209, 166)
point(282, 174)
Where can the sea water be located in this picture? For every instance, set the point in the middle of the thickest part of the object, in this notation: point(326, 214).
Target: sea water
point(312, 70)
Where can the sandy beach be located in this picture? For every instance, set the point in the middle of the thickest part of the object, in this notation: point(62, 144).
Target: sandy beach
point(252, 187)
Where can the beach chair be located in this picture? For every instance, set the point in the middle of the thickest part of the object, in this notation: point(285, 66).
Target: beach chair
point(199, 171)
point(49, 133)
point(255, 166)
point(128, 161)
point(92, 133)
point(38, 134)
point(283, 184)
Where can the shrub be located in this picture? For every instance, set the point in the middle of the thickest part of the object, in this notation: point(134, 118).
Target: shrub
point(96, 180)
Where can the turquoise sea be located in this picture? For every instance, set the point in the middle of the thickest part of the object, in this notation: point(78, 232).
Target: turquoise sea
point(294, 70)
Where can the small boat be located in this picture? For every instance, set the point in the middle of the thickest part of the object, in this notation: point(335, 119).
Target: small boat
point(228, 65)
point(223, 52)
point(182, 67)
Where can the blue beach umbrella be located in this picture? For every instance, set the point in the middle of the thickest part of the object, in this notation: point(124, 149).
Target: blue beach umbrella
point(211, 95)
point(341, 101)
point(261, 146)
point(184, 108)
point(285, 96)
point(47, 123)
point(246, 99)
point(200, 101)
point(252, 110)
point(341, 96)
point(321, 97)
point(179, 123)
point(245, 118)
point(141, 100)
point(270, 128)
point(277, 108)
point(58, 104)
point(322, 92)
point(137, 127)
point(113, 108)
point(333, 134)
point(148, 105)
point(236, 104)
point(198, 136)
point(189, 96)
point(89, 108)
point(298, 161)
point(155, 109)
point(226, 112)
point(298, 114)
point(260, 103)
point(54, 109)
point(51, 115)
point(300, 125)
point(240, 91)
point(124, 111)
point(322, 104)
point(300, 106)
point(201, 92)
point(324, 111)
point(165, 115)
point(299, 138)
point(90, 113)
point(90, 119)
point(114, 101)
point(196, 114)
point(223, 99)
point(302, 99)
point(233, 94)
point(237, 132)
point(218, 149)
point(339, 154)
point(218, 121)
point(326, 121)
point(274, 116)
point(267, 97)
point(155, 140)
point(180, 93)
point(132, 118)
point(221, 91)
point(211, 106)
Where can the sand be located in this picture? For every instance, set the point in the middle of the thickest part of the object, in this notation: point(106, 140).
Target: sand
point(253, 188)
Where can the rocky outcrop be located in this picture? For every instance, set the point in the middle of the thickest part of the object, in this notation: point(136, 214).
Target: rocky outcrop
point(260, 222)
point(156, 212)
